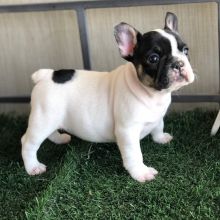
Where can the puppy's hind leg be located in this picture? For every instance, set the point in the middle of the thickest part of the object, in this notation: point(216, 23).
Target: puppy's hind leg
point(30, 147)
point(36, 133)
point(59, 138)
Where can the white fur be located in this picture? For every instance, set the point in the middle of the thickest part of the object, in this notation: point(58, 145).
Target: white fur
point(98, 107)
point(180, 56)
point(216, 125)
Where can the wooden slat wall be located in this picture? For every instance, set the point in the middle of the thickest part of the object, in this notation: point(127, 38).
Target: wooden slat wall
point(30, 41)
point(198, 24)
point(51, 40)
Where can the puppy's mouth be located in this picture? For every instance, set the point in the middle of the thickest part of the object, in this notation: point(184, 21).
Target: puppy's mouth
point(180, 77)
point(174, 79)
point(169, 77)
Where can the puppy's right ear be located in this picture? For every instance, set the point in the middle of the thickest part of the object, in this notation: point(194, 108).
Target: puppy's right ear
point(126, 37)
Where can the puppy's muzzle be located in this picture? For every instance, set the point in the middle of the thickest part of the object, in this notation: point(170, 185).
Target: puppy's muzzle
point(178, 68)
point(177, 65)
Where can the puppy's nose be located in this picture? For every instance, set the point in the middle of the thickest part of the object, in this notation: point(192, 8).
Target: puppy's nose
point(177, 65)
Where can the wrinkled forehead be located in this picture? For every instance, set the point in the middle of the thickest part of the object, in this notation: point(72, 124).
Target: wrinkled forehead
point(167, 41)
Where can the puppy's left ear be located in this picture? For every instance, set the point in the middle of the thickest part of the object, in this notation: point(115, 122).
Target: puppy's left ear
point(171, 22)
point(126, 37)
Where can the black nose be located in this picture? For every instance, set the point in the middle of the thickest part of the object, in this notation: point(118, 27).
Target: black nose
point(177, 65)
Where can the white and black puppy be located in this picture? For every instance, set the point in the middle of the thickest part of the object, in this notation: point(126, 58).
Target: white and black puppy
point(121, 106)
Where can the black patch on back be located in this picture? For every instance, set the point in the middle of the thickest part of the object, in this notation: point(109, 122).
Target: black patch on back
point(62, 76)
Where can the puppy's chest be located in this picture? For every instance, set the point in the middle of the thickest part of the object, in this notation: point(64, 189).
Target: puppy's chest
point(147, 128)
point(152, 117)
point(154, 112)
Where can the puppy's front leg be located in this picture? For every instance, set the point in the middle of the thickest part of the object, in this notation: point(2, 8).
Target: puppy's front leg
point(129, 146)
point(159, 136)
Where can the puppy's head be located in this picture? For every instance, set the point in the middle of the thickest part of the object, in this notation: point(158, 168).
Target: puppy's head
point(160, 56)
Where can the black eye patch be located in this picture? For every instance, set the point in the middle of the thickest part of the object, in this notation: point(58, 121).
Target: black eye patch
point(157, 52)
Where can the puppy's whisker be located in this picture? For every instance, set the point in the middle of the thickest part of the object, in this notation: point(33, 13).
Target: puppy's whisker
point(196, 76)
point(177, 93)
point(195, 71)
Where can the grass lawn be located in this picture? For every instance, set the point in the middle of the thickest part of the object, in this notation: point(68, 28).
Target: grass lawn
point(87, 181)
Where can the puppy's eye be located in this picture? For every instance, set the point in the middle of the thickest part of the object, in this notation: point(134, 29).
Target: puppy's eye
point(154, 58)
point(186, 51)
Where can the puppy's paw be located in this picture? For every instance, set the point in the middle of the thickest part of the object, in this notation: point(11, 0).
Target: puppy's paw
point(163, 138)
point(58, 138)
point(36, 169)
point(143, 173)
point(65, 138)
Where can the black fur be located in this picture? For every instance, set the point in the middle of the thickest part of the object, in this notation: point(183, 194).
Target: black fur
point(180, 43)
point(151, 53)
point(62, 76)
point(154, 43)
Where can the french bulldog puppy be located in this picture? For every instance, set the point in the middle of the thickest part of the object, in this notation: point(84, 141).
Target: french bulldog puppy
point(121, 106)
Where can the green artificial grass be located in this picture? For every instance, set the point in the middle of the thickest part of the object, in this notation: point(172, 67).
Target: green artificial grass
point(87, 181)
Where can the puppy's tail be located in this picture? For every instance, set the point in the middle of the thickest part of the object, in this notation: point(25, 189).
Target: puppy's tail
point(216, 124)
point(42, 74)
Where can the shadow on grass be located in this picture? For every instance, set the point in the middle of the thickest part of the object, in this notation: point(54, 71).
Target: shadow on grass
point(92, 182)
point(18, 189)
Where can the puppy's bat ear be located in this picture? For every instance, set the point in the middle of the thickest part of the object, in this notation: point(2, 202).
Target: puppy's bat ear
point(171, 22)
point(126, 37)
